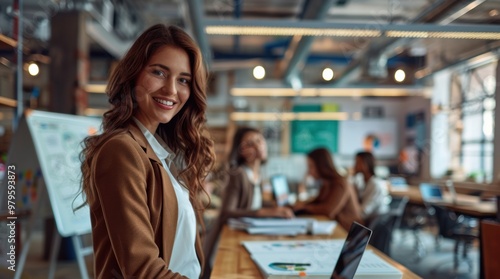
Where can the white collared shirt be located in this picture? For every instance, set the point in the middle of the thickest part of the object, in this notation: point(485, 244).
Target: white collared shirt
point(257, 193)
point(184, 259)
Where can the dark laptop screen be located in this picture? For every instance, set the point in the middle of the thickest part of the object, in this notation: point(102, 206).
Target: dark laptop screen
point(352, 252)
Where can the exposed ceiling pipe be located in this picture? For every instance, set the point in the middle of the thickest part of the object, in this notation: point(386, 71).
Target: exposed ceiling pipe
point(108, 40)
point(238, 5)
point(481, 56)
point(315, 9)
point(443, 19)
point(378, 49)
point(18, 35)
point(461, 11)
point(196, 12)
point(354, 68)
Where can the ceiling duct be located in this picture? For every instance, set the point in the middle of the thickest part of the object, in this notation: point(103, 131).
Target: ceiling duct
point(102, 12)
point(114, 26)
point(443, 11)
point(125, 22)
point(108, 40)
point(196, 17)
point(313, 10)
point(374, 67)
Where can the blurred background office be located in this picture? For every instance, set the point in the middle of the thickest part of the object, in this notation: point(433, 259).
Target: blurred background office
point(412, 82)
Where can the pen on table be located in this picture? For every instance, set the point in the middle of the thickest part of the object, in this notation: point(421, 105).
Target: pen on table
point(295, 264)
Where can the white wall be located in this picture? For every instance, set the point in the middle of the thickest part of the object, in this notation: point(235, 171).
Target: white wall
point(440, 152)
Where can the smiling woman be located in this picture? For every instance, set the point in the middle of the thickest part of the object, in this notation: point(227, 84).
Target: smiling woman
point(163, 87)
point(142, 175)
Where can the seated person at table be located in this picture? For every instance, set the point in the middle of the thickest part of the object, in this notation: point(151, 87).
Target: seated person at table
point(242, 196)
point(336, 199)
point(372, 191)
point(243, 193)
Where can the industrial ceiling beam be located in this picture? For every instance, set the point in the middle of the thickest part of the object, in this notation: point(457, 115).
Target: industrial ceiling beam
point(314, 10)
point(433, 13)
point(450, 15)
point(196, 12)
point(488, 53)
point(318, 28)
point(354, 68)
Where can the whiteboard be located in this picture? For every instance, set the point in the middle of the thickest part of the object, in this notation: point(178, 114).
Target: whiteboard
point(58, 142)
point(353, 134)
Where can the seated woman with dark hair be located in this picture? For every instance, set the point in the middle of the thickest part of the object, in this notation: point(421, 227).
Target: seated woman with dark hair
point(372, 191)
point(336, 199)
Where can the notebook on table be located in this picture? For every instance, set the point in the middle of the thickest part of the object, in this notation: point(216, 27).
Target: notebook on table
point(321, 258)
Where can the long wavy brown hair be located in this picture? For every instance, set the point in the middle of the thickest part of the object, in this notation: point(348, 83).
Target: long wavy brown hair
point(186, 133)
point(323, 161)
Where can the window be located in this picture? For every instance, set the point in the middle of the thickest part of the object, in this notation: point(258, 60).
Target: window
point(475, 106)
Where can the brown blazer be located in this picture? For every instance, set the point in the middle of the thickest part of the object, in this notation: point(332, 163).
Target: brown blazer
point(236, 202)
point(338, 202)
point(134, 214)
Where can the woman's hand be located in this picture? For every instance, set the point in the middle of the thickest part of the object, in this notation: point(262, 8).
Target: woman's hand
point(282, 212)
point(298, 206)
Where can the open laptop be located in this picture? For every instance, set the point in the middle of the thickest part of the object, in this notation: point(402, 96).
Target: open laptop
point(398, 183)
point(281, 191)
point(352, 252)
point(454, 198)
point(431, 192)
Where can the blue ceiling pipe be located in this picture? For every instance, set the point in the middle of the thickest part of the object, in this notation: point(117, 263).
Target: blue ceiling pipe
point(312, 10)
point(237, 14)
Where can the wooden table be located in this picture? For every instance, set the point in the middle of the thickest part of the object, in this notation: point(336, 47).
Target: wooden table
point(466, 204)
point(233, 261)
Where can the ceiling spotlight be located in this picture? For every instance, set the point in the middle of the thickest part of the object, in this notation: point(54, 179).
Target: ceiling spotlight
point(399, 75)
point(259, 72)
point(493, 12)
point(328, 74)
point(33, 69)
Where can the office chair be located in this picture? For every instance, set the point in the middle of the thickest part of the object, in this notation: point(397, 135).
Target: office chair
point(384, 225)
point(382, 228)
point(490, 245)
point(453, 227)
point(414, 219)
point(397, 207)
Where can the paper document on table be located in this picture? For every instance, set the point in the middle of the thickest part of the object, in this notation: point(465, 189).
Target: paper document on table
point(290, 231)
point(320, 246)
point(323, 227)
point(273, 222)
point(272, 226)
point(315, 264)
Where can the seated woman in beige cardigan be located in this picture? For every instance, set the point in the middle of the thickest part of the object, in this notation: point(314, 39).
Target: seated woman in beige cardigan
point(336, 199)
point(243, 193)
